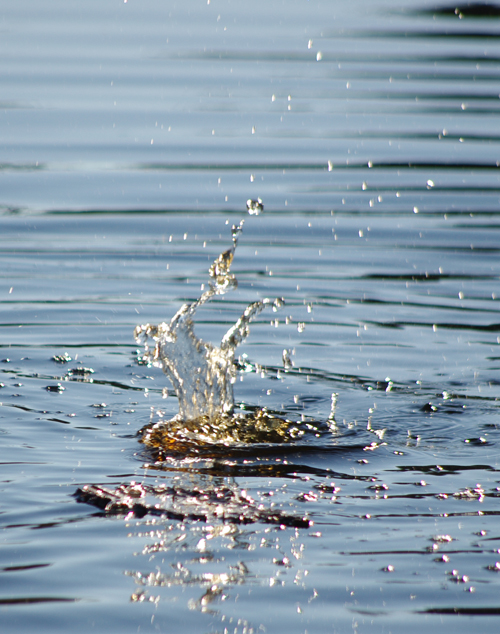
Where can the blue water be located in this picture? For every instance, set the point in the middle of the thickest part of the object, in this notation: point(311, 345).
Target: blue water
point(131, 136)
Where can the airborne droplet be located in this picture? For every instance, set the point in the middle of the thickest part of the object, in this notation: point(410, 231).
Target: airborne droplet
point(255, 207)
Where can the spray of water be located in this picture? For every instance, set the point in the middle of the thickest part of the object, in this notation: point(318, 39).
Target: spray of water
point(203, 374)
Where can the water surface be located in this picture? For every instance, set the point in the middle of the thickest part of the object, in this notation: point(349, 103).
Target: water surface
point(132, 135)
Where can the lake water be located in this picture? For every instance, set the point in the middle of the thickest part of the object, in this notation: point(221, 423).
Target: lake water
point(131, 136)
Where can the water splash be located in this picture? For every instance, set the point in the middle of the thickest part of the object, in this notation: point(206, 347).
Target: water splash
point(203, 374)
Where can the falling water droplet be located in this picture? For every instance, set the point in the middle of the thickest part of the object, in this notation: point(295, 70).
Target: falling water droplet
point(278, 303)
point(287, 362)
point(255, 207)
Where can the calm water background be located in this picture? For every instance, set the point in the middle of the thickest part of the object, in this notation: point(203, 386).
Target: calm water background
point(131, 134)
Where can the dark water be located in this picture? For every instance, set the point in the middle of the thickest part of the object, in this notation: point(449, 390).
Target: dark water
point(131, 136)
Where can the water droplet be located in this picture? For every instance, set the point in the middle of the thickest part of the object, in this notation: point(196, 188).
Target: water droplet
point(255, 207)
point(319, 56)
point(63, 358)
point(278, 303)
point(442, 539)
point(287, 362)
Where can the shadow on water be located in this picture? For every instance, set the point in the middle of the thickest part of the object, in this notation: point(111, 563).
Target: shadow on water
point(462, 10)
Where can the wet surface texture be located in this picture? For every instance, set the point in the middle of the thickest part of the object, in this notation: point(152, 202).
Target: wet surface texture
point(132, 135)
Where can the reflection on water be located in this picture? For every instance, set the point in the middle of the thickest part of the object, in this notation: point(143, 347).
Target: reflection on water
point(222, 545)
point(196, 503)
